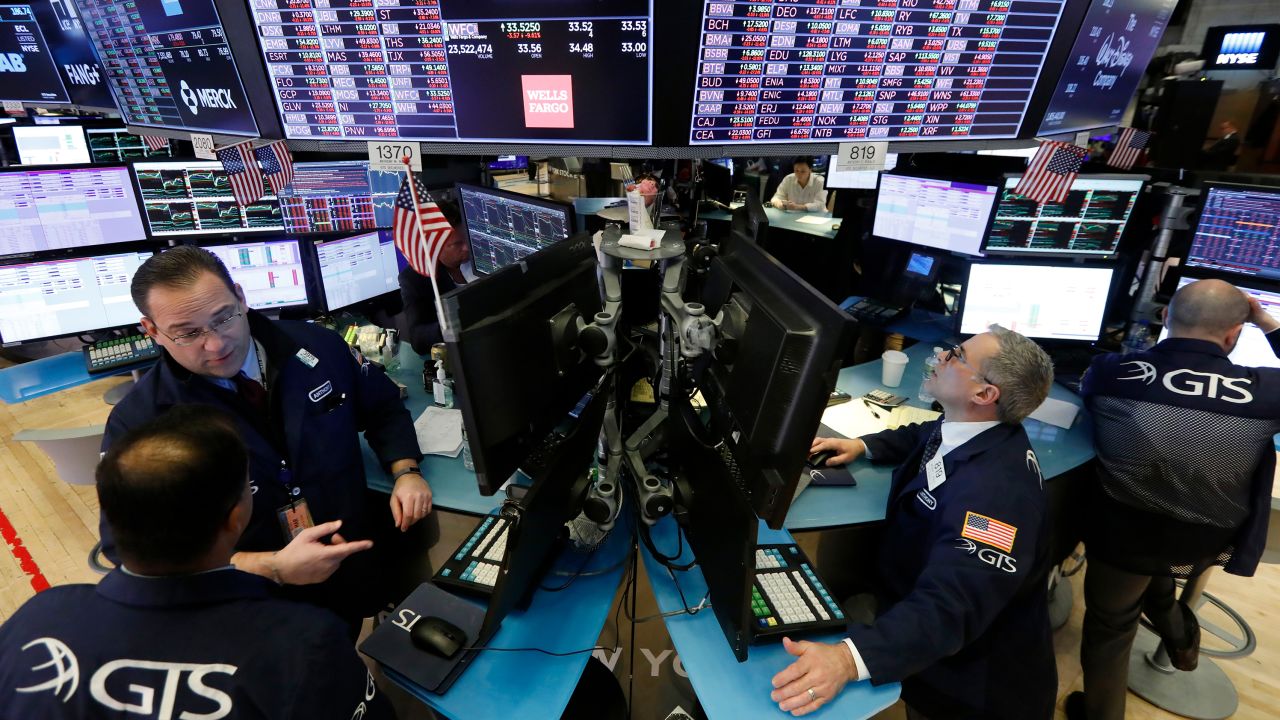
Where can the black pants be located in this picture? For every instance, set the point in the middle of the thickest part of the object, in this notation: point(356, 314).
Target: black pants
point(1113, 600)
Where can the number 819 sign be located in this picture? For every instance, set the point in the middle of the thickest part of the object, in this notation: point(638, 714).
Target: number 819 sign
point(861, 156)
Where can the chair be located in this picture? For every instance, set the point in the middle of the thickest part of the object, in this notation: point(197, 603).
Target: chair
point(75, 453)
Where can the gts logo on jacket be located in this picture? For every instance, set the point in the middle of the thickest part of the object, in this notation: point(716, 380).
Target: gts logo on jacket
point(1191, 382)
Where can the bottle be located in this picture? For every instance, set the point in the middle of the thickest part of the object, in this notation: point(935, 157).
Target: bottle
point(391, 352)
point(442, 388)
point(930, 367)
point(467, 461)
point(1139, 337)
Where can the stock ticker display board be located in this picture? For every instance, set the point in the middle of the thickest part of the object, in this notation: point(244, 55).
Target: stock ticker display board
point(460, 70)
point(25, 60)
point(833, 70)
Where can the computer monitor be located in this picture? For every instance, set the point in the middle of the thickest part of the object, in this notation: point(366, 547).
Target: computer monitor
point(333, 196)
point(933, 212)
point(1241, 47)
point(357, 268)
point(509, 162)
point(717, 182)
point(1089, 223)
point(511, 346)
point(857, 179)
point(83, 76)
point(504, 227)
point(193, 197)
point(30, 72)
point(1052, 301)
point(1238, 232)
point(43, 299)
point(749, 221)
point(1253, 349)
point(270, 272)
point(768, 382)
point(51, 144)
point(111, 145)
point(51, 209)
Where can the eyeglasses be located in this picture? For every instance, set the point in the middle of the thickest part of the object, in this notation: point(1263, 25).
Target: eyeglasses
point(195, 336)
point(955, 352)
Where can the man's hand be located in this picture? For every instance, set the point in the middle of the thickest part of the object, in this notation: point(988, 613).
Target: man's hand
point(794, 206)
point(1259, 316)
point(821, 668)
point(410, 500)
point(846, 450)
point(780, 204)
point(308, 559)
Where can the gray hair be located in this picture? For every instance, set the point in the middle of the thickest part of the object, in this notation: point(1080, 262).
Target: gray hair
point(1023, 372)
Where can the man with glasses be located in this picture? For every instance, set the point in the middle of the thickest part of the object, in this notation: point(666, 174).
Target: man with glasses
point(300, 397)
point(961, 608)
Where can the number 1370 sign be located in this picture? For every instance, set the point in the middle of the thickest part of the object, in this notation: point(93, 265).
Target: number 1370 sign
point(390, 156)
point(861, 156)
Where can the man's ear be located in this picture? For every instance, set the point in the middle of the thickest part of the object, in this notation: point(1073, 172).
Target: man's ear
point(988, 395)
point(149, 327)
point(240, 296)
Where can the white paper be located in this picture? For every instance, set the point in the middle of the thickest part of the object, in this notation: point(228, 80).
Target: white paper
point(439, 431)
point(854, 419)
point(911, 415)
point(854, 156)
point(389, 156)
point(202, 144)
point(636, 242)
point(638, 215)
point(1056, 412)
point(814, 220)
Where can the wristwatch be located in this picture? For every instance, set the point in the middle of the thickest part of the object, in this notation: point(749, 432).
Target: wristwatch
point(411, 470)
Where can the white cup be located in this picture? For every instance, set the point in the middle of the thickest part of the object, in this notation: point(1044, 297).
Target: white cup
point(894, 364)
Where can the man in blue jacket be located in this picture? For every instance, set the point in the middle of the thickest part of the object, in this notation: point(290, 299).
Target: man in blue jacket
point(176, 631)
point(300, 397)
point(1186, 462)
point(963, 610)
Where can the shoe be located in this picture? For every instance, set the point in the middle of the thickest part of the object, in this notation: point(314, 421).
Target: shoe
point(1187, 657)
point(1074, 706)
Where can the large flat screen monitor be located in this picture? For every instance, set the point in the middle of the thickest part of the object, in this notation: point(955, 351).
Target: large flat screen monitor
point(461, 71)
point(942, 214)
point(67, 208)
point(857, 179)
point(169, 65)
point(192, 197)
point(1238, 231)
point(82, 74)
point(110, 145)
point(1057, 301)
point(67, 296)
point(269, 271)
point(815, 72)
point(357, 268)
point(1110, 54)
point(1252, 349)
point(338, 196)
point(1089, 223)
point(26, 61)
point(1241, 47)
point(51, 144)
point(504, 227)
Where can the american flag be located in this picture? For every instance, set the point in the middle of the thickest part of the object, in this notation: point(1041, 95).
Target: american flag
point(1128, 147)
point(242, 170)
point(988, 530)
point(421, 253)
point(277, 165)
point(155, 142)
point(1052, 170)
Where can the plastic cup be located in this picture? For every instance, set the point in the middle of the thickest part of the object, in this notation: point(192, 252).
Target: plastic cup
point(894, 364)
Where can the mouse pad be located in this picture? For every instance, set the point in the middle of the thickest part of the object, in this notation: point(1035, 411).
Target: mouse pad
point(390, 645)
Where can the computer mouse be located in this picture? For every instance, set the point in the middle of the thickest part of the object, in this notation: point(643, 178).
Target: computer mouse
point(820, 458)
point(437, 636)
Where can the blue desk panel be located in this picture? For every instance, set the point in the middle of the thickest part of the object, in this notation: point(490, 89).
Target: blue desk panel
point(508, 685)
point(785, 220)
point(725, 687)
point(36, 378)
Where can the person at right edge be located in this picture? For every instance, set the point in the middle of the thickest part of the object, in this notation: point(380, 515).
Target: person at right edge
point(1185, 467)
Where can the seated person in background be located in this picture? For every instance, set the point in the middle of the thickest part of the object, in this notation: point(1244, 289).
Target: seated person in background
point(176, 631)
point(963, 617)
point(1183, 483)
point(421, 326)
point(801, 190)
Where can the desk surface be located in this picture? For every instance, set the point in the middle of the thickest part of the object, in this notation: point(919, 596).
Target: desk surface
point(786, 220)
point(506, 685)
point(725, 687)
point(36, 378)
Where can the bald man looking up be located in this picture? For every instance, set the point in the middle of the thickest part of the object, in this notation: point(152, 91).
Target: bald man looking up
point(1185, 468)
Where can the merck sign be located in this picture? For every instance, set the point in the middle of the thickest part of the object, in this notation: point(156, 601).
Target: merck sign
point(1240, 48)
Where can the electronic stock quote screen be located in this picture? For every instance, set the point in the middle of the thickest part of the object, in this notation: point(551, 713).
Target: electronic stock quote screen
point(26, 62)
point(1090, 222)
point(1239, 232)
point(337, 196)
point(186, 197)
point(460, 70)
point(832, 70)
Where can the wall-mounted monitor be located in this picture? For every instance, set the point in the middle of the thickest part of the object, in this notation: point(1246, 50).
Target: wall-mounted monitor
point(1061, 300)
point(169, 65)
point(857, 179)
point(338, 196)
point(1241, 47)
point(509, 162)
point(25, 59)
point(1110, 54)
point(67, 296)
point(480, 71)
point(936, 213)
point(818, 72)
point(107, 145)
point(1238, 232)
point(1090, 222)
point(191, 197)
point(270, 272)
point(82, 74)
point(51, 144)
point(357, 268)
point(504, 227)
point(51, 209)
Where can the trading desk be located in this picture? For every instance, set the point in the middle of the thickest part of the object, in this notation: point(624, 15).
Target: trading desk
point(37, 378)
point(785, 220)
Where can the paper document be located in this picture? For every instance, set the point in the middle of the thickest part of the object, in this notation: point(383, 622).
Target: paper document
point(814, 220)
point(853, 419)
point(1056, 412)
point(439, 431)
point(910, 415)
point(639, 242)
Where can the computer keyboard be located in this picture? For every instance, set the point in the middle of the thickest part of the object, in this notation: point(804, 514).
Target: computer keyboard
point(474, 566)
point(106, 355)
point(875, 312)
point(788, 596)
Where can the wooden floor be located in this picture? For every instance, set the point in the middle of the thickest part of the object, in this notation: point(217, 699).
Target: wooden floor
point(57, 525)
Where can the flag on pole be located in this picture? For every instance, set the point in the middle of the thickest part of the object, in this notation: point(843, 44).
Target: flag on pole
point(277, 165)
point(242, 170)
point(1051, 172)
point(1128, 147)
point(155, 142)
point(414, 208)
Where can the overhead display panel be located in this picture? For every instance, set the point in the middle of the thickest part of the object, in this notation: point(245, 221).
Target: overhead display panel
point(82, 74)
point(27, 71)
point(838, 70)
point(169, 65)
point(460, 70)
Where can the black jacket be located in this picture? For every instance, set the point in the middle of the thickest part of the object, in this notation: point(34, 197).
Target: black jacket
point(420, 325)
